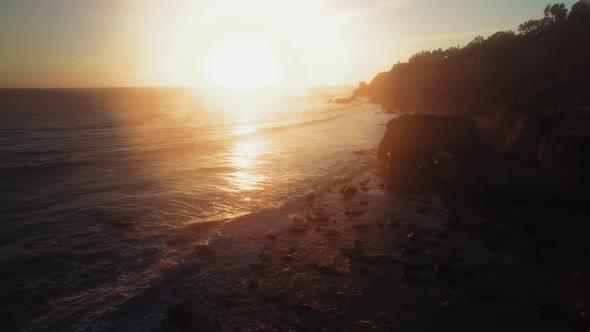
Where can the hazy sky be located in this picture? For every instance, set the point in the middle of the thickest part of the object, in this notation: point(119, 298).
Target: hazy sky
point(54, 43)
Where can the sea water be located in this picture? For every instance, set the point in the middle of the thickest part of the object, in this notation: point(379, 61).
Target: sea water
point(98, 185)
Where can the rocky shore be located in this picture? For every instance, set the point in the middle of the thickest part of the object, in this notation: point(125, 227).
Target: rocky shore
point(374, 260)
point(414, 244)
point(360, 257)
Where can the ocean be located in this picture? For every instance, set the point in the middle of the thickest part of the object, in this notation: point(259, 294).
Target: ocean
point(100, 187)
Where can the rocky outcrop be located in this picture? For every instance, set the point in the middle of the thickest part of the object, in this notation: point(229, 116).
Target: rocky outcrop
point(549, 138)
point(406, 151)
point(543, 157)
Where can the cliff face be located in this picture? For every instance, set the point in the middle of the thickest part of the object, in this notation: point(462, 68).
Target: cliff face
point(544, 157)
point(410, 142)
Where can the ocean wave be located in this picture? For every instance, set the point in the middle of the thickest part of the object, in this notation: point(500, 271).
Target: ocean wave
point(324, 117)
point(46, 166)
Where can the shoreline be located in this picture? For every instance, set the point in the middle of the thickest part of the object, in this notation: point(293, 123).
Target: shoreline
point(375, 261)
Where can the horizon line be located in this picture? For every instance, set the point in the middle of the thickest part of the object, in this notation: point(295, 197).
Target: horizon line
point(153, 86)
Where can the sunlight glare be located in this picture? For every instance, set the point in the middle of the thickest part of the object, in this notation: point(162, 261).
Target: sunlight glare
point(246, 157)
point(244, 64)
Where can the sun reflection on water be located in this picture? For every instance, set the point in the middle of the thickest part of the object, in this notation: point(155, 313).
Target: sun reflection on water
point(246, 157)
point(244, 129)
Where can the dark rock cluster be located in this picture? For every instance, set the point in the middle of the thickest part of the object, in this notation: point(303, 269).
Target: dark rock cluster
point(540, 157)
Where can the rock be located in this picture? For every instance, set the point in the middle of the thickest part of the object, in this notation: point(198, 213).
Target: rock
point(487, 293)
point(422, 209)
point(255, 266)
point(298, 231)
point(361, 228)
point(393, 223)
point(348, 191)
point(302, 308)
point(421, 200)
point(553, 313)
point(386, 258)
point(359, 243)
point(409, 227)
point(416, 266)
point(444, 271)
point(412, 236)
point(362, 326)
point(317, 216)
point(325, 269)
point(455, 220)
point(406, 275)
point(203, 250)
point(354, 253)
point(180, 315)
point(288, 258)
point(406, 151)
point(249, 284)
point(548, 137)
point(385, 318)
point(543, 157)
point(364, 183)
point(331, 233)
point(496, 239)
point(364, 202)
point(309, 197)
point(353, 213)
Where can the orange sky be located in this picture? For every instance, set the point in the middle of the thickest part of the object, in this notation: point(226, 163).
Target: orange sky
point(242, 44)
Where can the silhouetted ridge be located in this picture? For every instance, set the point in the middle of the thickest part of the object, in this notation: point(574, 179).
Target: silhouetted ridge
point(543, 66)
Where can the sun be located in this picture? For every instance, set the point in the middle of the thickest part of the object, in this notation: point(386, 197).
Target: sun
point(244, 64)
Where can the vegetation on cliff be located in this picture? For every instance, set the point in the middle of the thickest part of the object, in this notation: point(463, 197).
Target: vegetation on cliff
point(542, 67)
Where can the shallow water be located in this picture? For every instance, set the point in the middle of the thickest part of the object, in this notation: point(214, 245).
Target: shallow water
point(100, 187)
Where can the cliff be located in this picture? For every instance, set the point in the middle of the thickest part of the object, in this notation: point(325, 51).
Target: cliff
point(507, 75)
point(544, 157)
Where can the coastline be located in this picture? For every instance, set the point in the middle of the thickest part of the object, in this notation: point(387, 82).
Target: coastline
point(373, 261)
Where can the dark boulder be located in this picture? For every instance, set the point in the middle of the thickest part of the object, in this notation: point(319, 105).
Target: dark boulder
point(549, 153)
point(544, 157)
point(551, 138)
point(348, 191)
point(406, 151)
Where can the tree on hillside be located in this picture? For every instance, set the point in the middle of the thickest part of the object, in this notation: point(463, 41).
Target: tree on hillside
point(580, 11)
point(555, 13)
point(530, 26)
point(544, 66)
